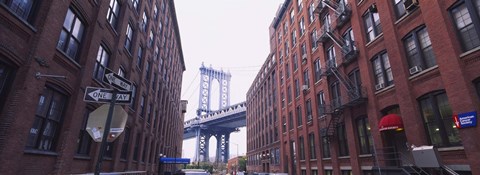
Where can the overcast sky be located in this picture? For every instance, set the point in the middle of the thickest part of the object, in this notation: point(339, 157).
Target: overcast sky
point(231, 35)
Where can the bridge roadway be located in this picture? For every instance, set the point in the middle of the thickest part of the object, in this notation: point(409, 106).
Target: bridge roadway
point(218, 123)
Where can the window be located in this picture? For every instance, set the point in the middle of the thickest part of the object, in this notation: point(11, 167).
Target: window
point(328, 172)
point(151, 38)
point(109, 150)
point(331, 61)
point(300, 5)
point(372, 25)
point(286, 48)
point(113, 12)
point(302, 27)
point(155, 12)
point(144, 21)
point(284, 124)
point(6, 76)
point(292, 16)
point(336, 96)
point(349, 42)
point(22, 8)
point(84, 140)
point(313, 39)
point(147, 72)
point(301, 147)
point(149, 113)
point(318, 70)
point(101, 63)
point(399, 8)
point(71, 35)
point(297, 88)
point(342, 140)
point(364, 136)
point(437, 117)
point(294, 38)
point(354, 77)
point(311, 144)
point(467, 23)
point(306, 79)
point(308, 109)
point(304, 52)
point(142, 106)
point(419, 49)
point(137, 144)
point(311, 16)
point(46, 127)
point(346, 172)
point(289, 94)
point(299, 116)
point(321, 103)
point(144, 154)
point(134, 92)
point(128, 38)
point(325, 147)
point(135, 5)
point(126, 142)
point(139, 57)
point(290, 120)
point(121, 72)
point(382, 70)
point(295, 62)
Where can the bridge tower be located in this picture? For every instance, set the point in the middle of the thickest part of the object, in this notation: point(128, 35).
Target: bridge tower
point(207, 76)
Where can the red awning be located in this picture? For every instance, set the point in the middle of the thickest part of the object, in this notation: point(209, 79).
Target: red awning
point(389, 122)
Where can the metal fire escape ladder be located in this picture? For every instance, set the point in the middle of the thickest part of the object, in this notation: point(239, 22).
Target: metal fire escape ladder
point(353, 90)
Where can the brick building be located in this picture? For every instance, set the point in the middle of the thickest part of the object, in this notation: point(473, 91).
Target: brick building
point(50, 51)
point(362, 82)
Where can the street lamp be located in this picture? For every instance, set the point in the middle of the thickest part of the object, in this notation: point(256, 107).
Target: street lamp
point(237, 147)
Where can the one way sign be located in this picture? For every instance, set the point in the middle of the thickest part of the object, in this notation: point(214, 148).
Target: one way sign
point(116, 80)
point(101, 95)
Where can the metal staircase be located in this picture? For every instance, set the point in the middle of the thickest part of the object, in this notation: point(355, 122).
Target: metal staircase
point(389, 161)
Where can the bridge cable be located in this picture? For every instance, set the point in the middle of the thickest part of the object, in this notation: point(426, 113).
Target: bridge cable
point(188, 88)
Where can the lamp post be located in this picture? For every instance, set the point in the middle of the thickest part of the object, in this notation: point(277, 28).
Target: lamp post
point(238, 159)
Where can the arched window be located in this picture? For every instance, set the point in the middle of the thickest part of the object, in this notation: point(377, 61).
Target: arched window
point(437, 117)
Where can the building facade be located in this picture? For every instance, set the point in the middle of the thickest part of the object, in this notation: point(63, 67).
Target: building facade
point(362, 83)
point(263, 139)
point(50, 51)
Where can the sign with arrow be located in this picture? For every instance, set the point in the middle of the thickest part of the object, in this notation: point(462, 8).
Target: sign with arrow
point(101, 95)
point(116, 80)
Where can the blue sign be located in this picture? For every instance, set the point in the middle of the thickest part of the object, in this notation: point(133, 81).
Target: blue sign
point(468, 119)
point(170, 160)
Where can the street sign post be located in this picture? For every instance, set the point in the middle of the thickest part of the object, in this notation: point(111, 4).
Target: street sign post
point(102, 95)
point(116, 80)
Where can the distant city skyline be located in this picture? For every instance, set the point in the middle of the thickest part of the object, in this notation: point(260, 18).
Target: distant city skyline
point(228, 36)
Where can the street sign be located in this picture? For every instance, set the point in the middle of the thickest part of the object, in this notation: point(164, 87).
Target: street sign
point(102, 95)
point(116, 80)
point(173, 160)
point(97, 119)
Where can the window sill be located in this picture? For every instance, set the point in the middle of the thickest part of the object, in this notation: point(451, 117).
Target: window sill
point(470, 52)
point(82, 157)
point(385, 89)
point(40, 152)
point(423, 72)
point(453, 148)
point(365, 155)
point(374, 40)
point(326, 158)
point(344, 157)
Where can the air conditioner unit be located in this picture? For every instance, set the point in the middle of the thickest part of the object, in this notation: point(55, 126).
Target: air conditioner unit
point(410, 4)
point(304, 87)
point(415, 69)
point(379, 86)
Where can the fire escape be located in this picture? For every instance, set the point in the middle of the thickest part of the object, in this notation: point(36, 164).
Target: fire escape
point(355, 94)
